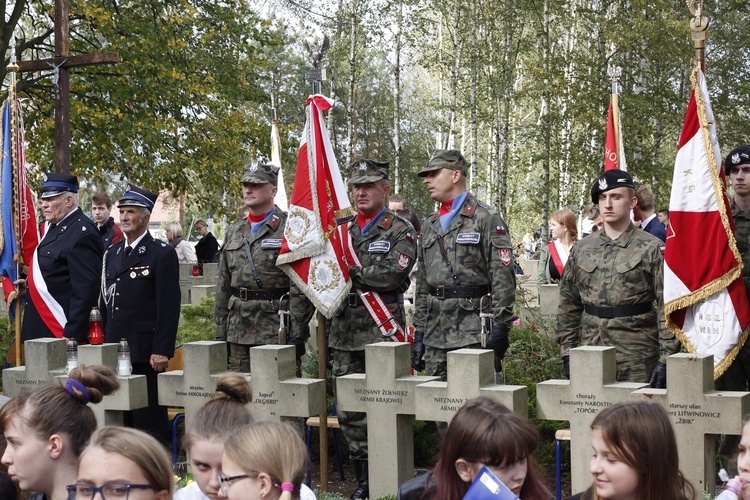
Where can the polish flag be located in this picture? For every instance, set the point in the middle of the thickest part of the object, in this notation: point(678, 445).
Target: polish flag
point(312, 251)
point(614, 151)
point(704, 295)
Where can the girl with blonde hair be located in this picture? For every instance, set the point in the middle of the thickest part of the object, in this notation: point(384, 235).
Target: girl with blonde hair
point(263, 460)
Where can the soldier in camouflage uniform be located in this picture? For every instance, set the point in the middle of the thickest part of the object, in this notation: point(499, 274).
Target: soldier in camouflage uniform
point(611, 289)
point(250, 285)
point(464, 260)
point(386, 247)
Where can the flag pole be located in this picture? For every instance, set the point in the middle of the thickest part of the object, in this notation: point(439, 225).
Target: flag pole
point(13, 70)
point(616, 111)
point(323, 417)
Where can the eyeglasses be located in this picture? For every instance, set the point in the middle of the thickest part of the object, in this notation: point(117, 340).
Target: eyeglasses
point(224, 481)
point(81, 491)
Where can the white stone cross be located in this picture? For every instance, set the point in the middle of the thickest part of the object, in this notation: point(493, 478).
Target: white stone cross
point(591, 388)
point(205, 362)
point(386, 393)
point(698, 413)
point(471, 373)
point(277, 391)
point(45, 358)
point(131, 395)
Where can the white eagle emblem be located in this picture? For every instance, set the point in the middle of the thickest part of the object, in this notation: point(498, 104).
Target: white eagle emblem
point(362, 165)
point(254, 166)
point(735, 158)
point(602, 184)
point(403, 261)
point(44, 177)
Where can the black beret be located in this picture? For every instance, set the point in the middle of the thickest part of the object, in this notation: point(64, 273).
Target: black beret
point(610, 179)
point(738, 156)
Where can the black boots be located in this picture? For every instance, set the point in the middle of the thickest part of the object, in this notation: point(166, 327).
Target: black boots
point(363, 489)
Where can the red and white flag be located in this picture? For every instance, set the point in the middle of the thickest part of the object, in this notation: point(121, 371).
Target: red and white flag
point(614, 151)
point(704, 295)
point(311, 250)
point(281, 198)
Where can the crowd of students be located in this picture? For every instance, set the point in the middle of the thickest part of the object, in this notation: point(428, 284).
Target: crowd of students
point(55, 452)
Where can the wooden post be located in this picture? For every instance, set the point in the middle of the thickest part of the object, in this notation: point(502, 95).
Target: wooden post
point(61, 64)
point(323, 427)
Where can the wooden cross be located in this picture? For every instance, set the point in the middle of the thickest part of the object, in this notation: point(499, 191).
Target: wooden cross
point(61, 64)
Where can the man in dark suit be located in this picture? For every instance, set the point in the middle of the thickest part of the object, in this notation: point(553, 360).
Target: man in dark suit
point(141, 299)
point(644, 212)
point(64, 274)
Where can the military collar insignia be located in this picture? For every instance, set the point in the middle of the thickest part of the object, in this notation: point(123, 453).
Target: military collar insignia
point(62, 229)
point(362, 165)
point(274, 221)
point(602, 184)
point(119, 250)
point(83, 228)
point(142, 249)
point(254, 166)
point(386, 221)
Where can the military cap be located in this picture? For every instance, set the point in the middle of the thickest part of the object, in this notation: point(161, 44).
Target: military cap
point(451, 159)
point(260, 173)
point(55, 184)
point(363, 171)
point(738, 156)
point(137, 197)
point(609, 180)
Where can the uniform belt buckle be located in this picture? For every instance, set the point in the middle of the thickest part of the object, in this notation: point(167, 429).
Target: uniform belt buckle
point(440, 292)
point(353, 300)
point(243, 293)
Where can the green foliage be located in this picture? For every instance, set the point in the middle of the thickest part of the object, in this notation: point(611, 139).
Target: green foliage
point(534, 357)
point(197, 322)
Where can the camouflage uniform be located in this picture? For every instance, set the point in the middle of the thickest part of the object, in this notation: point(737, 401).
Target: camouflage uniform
point(387, 253)
point(478, 246)
point(622, 272)
point(246, 309)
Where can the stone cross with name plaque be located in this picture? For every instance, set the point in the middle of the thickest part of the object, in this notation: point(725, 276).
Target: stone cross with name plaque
point(45, 358)
point(131, 395)
point(277, 392)
point(205, 363)
point(591, 388)
point(386, 393)
point(698, 412)
point(471, 373)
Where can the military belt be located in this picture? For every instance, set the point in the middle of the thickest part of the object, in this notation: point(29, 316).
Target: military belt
point(618, 311)
point(388, 298)
point(459, 292)
point(269, 294)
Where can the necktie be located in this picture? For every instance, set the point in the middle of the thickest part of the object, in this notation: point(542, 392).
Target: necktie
point(128, 250)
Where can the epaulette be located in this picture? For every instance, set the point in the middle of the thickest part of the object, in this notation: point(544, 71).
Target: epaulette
point(468, 209)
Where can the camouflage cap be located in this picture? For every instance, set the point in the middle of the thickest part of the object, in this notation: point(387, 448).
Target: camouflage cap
point(256, 172)
point(738, 156)
point(362, 171)
point(451, 159)
point(609, 180)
